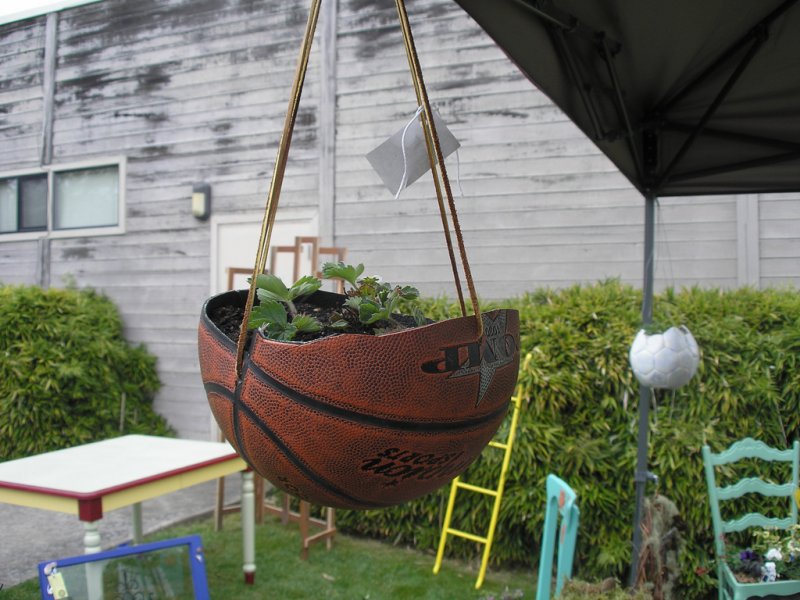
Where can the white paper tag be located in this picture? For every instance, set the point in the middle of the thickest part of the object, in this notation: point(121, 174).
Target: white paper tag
point(57, 586)
point(387, 159)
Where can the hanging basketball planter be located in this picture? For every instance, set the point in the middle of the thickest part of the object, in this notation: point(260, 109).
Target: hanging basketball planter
point(360, 421)
point(665, 360)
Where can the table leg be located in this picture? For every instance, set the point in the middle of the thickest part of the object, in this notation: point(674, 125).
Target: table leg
point(259, 487)
point(137, 523)
point(219, 505)
point(94, 571)
point(305, 515)
point(91, 537)
point(330, 524)
point(248, 527)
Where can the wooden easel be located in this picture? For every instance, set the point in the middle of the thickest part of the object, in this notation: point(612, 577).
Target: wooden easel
point(338, 254)
point(303, 517)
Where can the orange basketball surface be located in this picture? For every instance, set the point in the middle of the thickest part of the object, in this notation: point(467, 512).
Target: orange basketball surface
point(361, 421)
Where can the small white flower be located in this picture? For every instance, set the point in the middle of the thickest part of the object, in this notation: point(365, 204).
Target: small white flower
point(774, 554)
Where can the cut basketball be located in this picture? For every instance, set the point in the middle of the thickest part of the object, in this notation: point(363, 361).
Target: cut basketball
point(360, 421)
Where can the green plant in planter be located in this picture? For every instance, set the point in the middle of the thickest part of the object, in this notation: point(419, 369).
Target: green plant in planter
point(371, 305)
point(370, 301)
point(270, 287)
point(276, 307)
point(771, 545)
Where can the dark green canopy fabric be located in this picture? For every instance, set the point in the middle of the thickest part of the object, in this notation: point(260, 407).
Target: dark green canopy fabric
point(686, 97)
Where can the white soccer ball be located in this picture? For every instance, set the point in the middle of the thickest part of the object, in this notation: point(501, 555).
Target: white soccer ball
point(664, 360)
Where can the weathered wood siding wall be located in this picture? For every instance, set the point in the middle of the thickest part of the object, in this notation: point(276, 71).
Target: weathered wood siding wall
point(541, 206)
point(187, 92)
point(196, 90)
point(20, 263)
point(21, 103)
point(21, 77)
point(779, 236)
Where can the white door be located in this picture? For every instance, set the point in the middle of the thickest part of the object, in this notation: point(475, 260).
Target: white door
point(234, 243)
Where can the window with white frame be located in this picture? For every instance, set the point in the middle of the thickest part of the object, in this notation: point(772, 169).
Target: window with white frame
point(62, 201)
point(23, 204)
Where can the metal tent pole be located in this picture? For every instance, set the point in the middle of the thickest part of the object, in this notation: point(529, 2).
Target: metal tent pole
point(642, 475)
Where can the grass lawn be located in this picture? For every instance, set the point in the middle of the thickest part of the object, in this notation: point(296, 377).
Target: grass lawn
point(354, 569)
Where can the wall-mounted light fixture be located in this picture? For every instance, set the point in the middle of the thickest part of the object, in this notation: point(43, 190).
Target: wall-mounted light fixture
point(201, 201)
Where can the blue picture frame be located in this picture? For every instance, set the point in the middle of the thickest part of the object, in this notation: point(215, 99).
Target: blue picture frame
point(49, 570)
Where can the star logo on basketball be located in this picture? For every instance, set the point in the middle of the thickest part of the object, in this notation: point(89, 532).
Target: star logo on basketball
point(495, 350)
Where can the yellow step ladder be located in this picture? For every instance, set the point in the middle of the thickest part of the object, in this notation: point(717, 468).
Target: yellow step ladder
point(457, 484)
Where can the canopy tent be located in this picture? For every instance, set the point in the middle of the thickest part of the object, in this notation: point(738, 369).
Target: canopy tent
point(684, 97)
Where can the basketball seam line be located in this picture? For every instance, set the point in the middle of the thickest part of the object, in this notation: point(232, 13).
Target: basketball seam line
point(357, 417)
point(284, 449)
point(236, 406)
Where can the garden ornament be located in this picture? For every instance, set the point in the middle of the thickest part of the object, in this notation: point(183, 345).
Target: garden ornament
point(666, 360)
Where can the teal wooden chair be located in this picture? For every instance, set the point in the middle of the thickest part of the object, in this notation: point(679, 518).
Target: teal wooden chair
point(748, 448)
point(561, 502)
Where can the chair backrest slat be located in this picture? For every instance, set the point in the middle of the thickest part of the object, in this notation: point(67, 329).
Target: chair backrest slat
point(750, 448)
point(756, 520)
point(754, 485)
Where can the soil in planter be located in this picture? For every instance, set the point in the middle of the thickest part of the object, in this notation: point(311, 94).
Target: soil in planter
point(228, 320)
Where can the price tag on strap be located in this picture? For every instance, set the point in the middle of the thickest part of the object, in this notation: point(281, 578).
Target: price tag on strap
point(403, 158)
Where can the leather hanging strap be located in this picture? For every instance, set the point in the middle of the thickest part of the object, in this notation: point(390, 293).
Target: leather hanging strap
point(434, 154)
point(436, 158)
point(277, 177)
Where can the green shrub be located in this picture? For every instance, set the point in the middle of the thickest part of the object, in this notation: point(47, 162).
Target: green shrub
point(605, 590)
point(581, 423)
point(65, 370)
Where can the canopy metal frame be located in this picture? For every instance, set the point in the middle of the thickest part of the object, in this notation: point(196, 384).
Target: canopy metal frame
point(567, 30)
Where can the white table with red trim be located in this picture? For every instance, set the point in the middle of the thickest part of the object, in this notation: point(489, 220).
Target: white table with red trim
point(94, 478)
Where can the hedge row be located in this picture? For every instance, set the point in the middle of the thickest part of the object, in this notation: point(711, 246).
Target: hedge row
point(67, 375)
point(580, 422)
